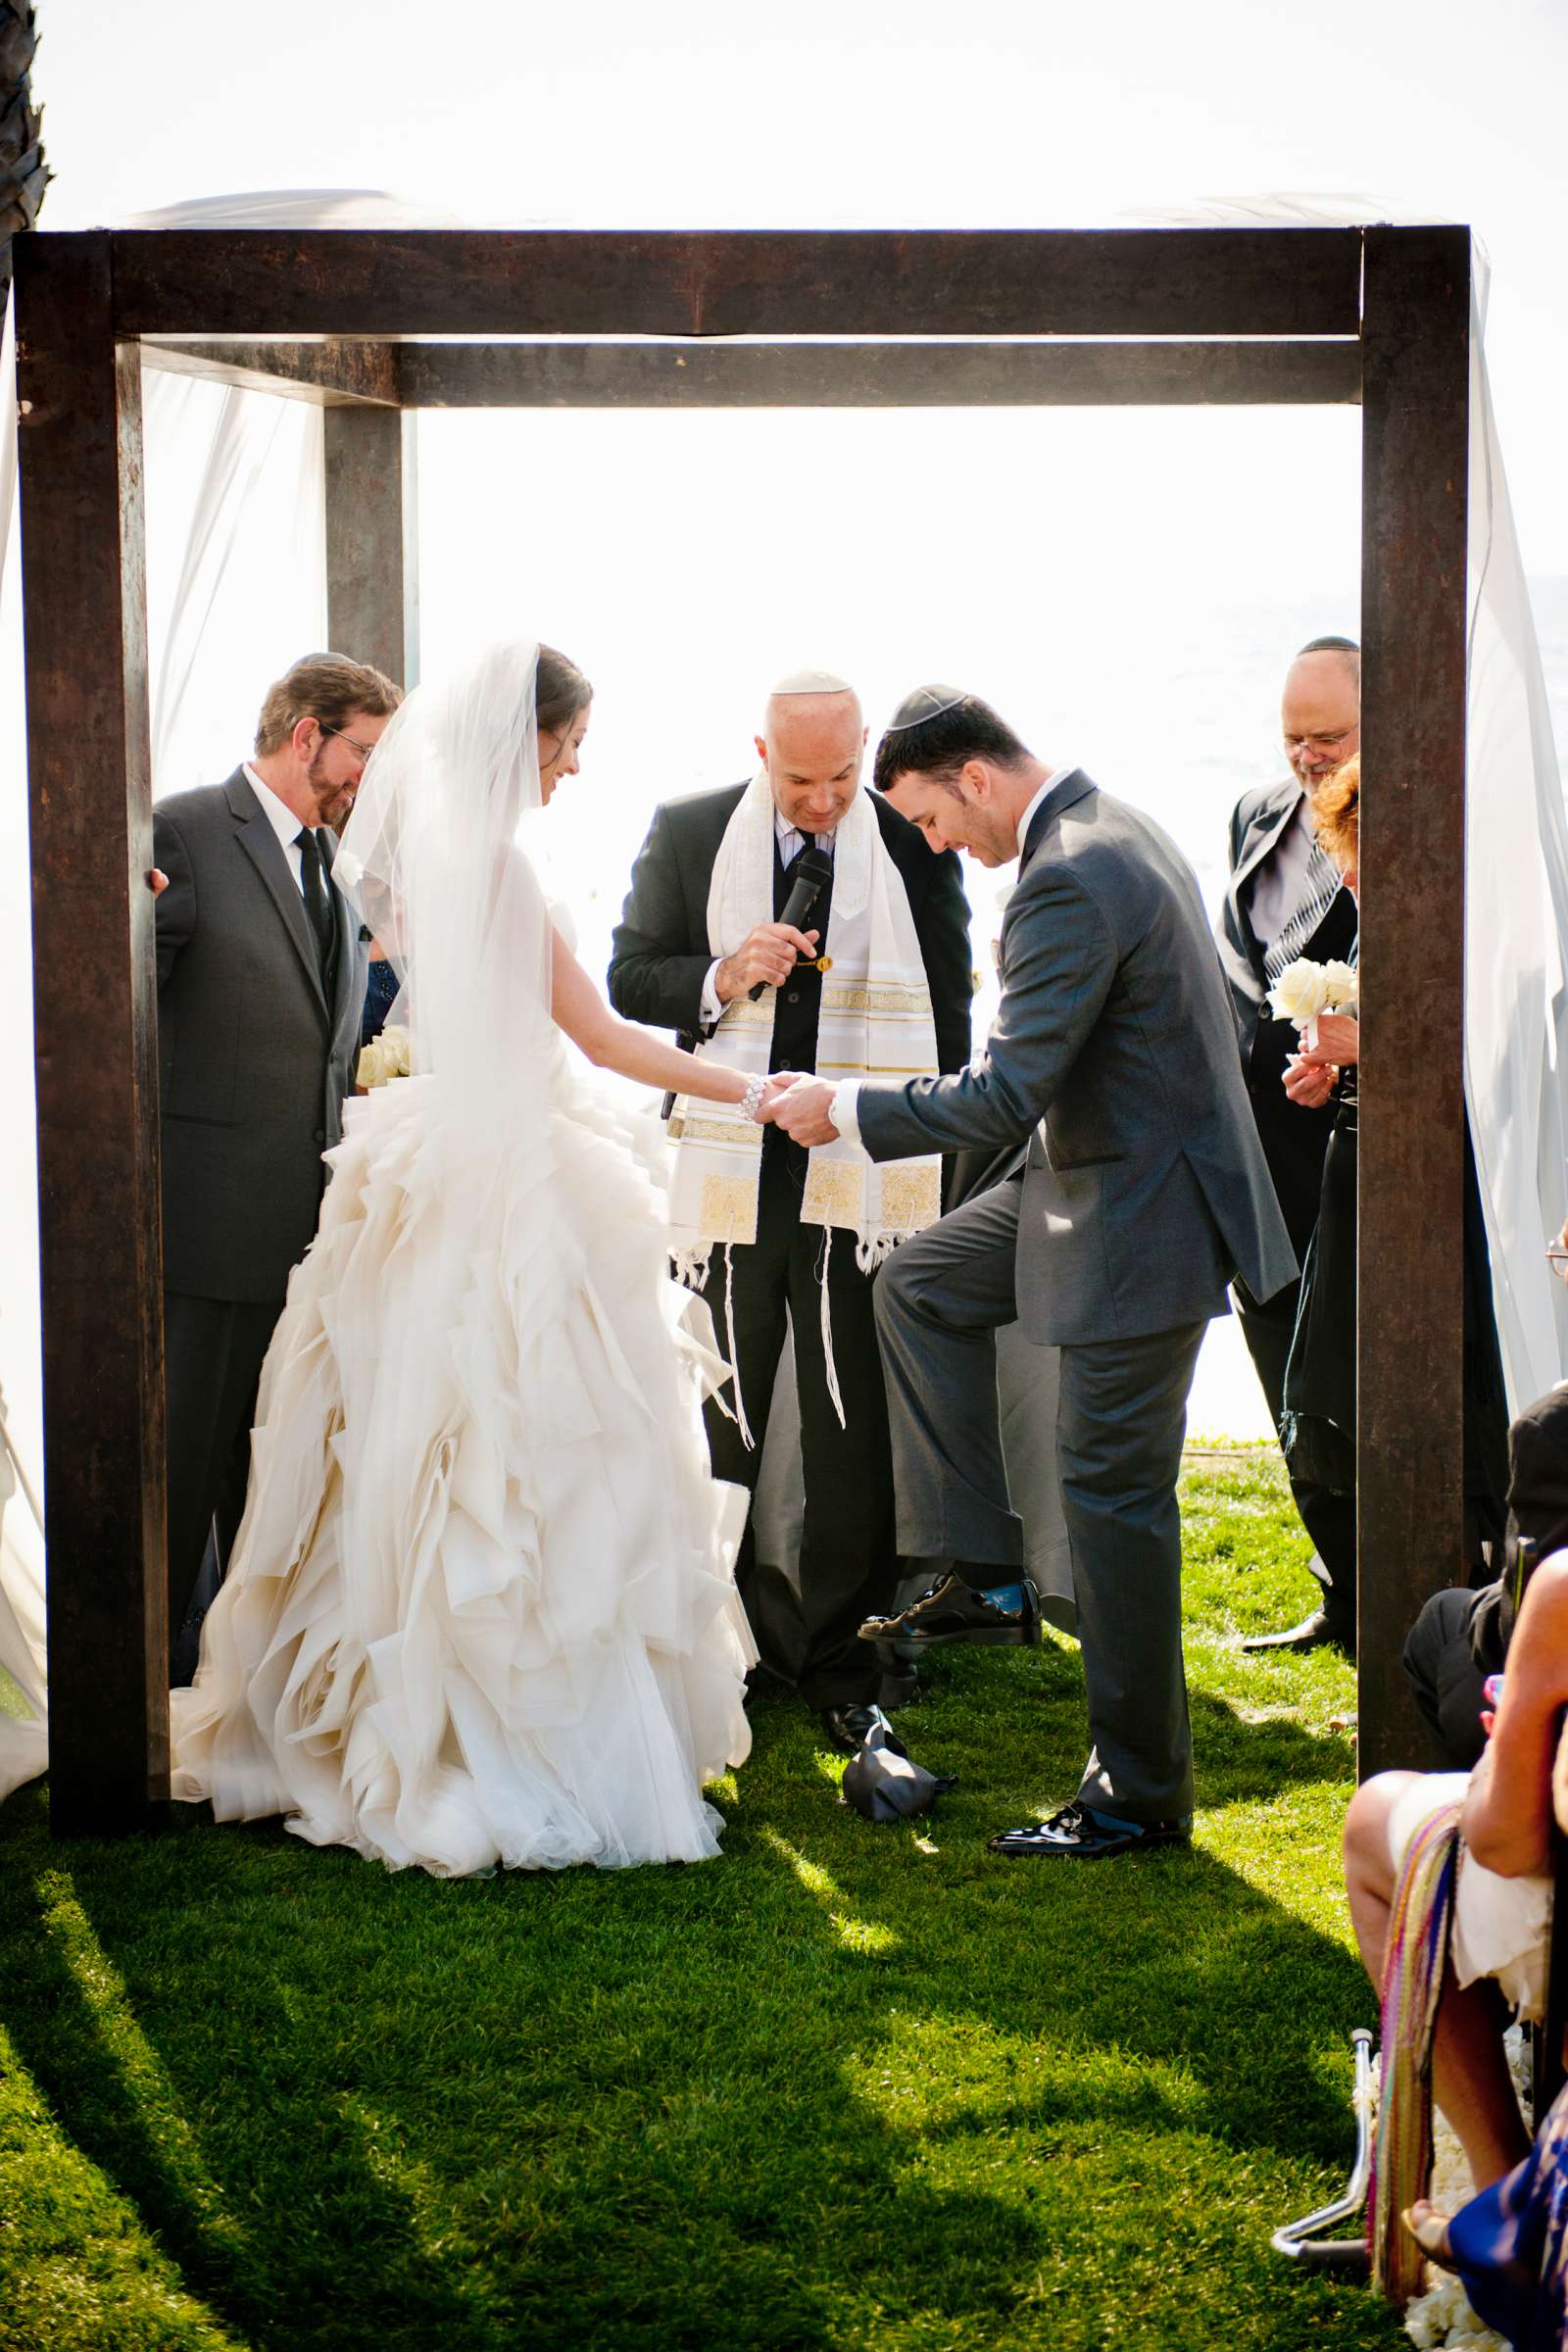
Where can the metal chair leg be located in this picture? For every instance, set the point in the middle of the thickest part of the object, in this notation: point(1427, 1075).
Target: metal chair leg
point(1296, 2239)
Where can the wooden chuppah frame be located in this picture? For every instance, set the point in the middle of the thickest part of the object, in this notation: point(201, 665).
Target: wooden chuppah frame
point(849, 318)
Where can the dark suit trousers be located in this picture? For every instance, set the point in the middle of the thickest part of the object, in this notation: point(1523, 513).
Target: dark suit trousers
point(848, 1565)
point(1328, 1518)
point(213, 1354)
point(1122, 1418)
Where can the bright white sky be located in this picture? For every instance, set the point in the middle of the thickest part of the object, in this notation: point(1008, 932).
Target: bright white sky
point(827, 112)
point(1127, 585)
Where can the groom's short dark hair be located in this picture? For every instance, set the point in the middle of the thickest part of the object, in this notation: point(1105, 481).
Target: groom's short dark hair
point(938, 747)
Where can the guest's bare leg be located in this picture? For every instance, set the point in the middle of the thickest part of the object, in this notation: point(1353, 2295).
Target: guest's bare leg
point(1470, 2078)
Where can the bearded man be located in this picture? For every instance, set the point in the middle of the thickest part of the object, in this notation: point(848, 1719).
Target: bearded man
point(772, 1234)
point(260, 977)
point(1286, 899)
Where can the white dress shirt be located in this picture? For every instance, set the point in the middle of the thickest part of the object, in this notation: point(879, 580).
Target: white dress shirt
point(283, 822)
point(791, 841)
point(846, 1095)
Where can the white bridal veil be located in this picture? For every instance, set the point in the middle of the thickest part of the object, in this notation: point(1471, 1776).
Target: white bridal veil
point(236, 588)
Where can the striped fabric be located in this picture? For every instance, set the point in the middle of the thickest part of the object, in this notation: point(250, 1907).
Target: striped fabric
point(1324, 882)
point(1413, 1962)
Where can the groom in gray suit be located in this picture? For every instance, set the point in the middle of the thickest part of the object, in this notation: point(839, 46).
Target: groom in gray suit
point(1144, 1192)
point(261, 978)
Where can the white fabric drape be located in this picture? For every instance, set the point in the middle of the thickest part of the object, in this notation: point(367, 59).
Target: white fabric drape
point(1516, 867)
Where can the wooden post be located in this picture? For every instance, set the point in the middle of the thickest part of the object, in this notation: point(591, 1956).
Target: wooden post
point(1415, 440)
point(373, 590)
point(96, 1024)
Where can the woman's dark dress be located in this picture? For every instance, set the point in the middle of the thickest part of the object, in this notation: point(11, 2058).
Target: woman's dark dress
point(1318, 1426)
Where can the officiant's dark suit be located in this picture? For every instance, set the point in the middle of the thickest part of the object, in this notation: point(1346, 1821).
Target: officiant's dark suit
point(1309, 913)
point(258, 1018)
point(1143, 1193)
point(658, 963)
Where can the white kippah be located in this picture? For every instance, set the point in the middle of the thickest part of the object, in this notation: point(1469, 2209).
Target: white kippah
point(813, 681)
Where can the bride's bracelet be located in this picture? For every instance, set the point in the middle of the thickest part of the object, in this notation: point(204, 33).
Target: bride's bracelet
point(752, 1100)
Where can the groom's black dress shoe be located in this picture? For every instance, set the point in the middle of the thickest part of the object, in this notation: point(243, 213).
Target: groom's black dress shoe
point(848, 1727)
point(1081, 1834)
point(1311, 1634)
point(958, 1609)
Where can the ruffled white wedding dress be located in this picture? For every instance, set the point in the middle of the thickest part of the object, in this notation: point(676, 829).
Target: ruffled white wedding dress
point(481, 1608)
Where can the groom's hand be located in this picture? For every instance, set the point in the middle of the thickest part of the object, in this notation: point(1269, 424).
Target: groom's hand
point(769, 954)
point(803, 1111)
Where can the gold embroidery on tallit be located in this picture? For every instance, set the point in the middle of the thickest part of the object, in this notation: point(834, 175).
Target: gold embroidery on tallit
point(833, 1192)
point(742, 1136)
point(729, 1208)
point(911, 1199)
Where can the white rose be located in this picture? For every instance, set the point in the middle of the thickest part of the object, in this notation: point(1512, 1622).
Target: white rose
point(395, 1046)
point(1301, 992)
point(1342, 982)
point(371, 1069)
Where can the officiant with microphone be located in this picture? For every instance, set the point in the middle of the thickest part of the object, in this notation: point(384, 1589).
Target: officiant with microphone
point(798, 922)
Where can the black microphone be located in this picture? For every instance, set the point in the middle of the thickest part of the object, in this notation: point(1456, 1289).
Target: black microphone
point(814, 869)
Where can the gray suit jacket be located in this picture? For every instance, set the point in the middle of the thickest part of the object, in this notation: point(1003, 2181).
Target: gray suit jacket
point(1145, 1188)
point(252, 1062)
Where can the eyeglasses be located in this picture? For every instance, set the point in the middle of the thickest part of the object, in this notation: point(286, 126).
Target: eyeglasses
point(1319, 743)
point(363, 748)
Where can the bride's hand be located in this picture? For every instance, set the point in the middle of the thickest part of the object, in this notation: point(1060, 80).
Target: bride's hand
point(777, 1087)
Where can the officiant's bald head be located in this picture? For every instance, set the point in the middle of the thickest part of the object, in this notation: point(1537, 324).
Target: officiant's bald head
point(812, 746)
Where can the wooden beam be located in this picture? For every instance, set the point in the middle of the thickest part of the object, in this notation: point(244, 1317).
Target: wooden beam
point(1410, 1441)
point(372, 594)
point(850, 376)
point(1148, 281)
point(324, 374)
point(96, 1020)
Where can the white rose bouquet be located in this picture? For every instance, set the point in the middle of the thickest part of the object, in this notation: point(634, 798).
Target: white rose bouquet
point(1305, 989)
point(385, 1057)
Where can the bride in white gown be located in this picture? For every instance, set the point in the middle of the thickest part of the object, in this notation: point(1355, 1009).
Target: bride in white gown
point(481, 1609)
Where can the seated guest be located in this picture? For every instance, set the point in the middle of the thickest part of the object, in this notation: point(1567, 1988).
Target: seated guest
point(1461, 1635)
point(1503, 1893)
point(1317, 1423)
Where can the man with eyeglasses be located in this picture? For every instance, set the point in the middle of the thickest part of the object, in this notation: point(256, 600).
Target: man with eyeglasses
point(260, 976)
point(1286, 899)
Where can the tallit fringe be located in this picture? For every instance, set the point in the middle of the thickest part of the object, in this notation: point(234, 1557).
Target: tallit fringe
point(738, 1415)
point(691, 1265)
point(878, 1248)
point(828, 1365)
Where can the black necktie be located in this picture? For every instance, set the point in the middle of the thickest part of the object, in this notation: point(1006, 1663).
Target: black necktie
point(317, 906)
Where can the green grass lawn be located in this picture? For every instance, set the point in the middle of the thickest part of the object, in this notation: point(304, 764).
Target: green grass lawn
point(847, 2087)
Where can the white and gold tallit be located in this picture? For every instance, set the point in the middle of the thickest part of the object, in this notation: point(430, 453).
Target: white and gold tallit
point(875, 1022)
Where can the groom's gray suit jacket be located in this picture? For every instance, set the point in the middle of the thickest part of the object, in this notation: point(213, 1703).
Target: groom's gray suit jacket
point(253, 1061)
point(1144, 1189)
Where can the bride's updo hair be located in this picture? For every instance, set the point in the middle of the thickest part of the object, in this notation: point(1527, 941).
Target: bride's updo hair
point(1337, 813)
point(561, 691)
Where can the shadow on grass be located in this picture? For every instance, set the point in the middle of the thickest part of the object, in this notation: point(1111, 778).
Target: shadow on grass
point(812, 2097)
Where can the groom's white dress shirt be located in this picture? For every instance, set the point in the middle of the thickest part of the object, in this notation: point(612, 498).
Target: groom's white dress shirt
point(791, 841)
point(841, 1108)
point(283, 822)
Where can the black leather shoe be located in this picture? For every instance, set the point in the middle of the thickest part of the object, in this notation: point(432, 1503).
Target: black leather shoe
point(846, 1727)
point(1314, 1633)
point(954, 1609)
point(1081, 1834)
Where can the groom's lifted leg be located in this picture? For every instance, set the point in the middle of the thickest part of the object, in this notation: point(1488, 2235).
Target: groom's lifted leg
point(940, 1302)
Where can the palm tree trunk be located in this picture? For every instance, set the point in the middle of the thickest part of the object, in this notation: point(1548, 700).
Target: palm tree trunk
point(24, 173)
